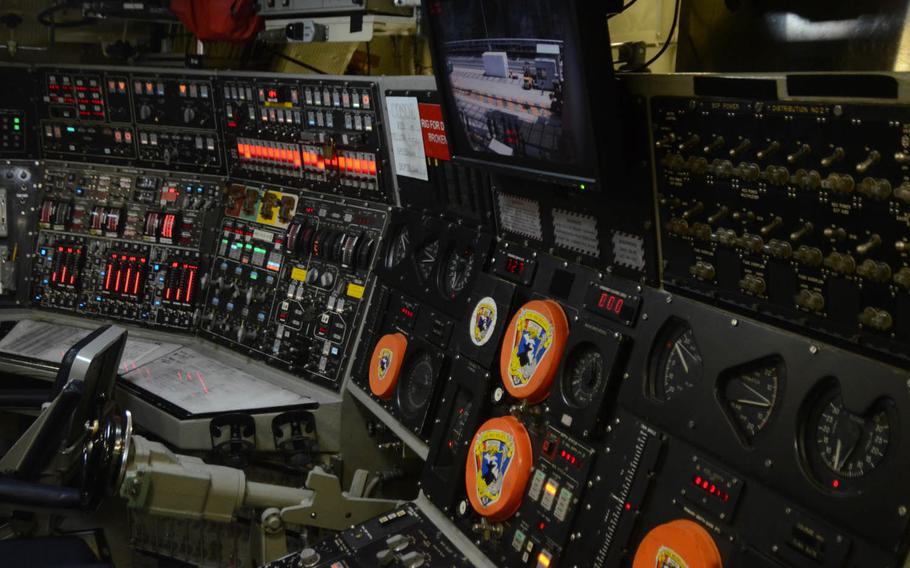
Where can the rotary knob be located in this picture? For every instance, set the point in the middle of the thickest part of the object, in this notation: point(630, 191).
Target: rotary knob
point(308, 557)
point(326, 279)
point(145, 112)
point(188, 115)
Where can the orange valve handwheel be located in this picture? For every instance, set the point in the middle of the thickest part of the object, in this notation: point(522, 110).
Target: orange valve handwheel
point(681, 543)
point(385, 364)
point(498, 468)
point(532, 349)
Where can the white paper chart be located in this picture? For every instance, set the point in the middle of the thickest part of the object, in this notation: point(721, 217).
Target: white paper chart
point(202, 385)
point(50, 342)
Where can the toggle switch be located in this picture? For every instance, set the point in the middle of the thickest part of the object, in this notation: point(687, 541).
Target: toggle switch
point(872, 159)
point(836, 156)
point(773, 147)
point(800, 152)
point(740, 148)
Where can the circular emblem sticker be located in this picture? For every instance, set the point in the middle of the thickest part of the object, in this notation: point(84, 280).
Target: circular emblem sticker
point(532, 349)
point(385, 364)
point(498, 468)
point(678, 544)
point(483, 321)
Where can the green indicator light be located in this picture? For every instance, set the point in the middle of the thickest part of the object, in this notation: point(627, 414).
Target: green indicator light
point(248, 246)
point(224, 241)
point(16, 120)
point(254, 276)
point(15, 127)
point(583, 187)
point(70, 129)
point(259, 250)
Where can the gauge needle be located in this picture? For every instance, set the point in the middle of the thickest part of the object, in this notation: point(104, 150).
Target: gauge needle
point(839, 464)
point(753, 402)
point(758, 394)
point(682, 358)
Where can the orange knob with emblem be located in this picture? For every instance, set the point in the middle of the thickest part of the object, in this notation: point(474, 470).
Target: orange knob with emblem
point(385, 364)
point(678, 544)
point(498, 468)
point(532, 349)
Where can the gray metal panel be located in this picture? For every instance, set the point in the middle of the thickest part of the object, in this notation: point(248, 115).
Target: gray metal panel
point(406, 436)
point(779, 35)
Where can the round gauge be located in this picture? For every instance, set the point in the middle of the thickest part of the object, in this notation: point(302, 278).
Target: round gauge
point(750, 393)
point(416, 387)
point(845, 445)
point(676, 362)
point(426, 259)
point(399, 248)
point(459, 268)
point(583, 377)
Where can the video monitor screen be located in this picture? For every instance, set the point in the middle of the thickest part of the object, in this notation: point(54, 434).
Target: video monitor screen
point(511, 75)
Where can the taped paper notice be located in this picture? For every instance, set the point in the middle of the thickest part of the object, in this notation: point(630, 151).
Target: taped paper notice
point(407, 137)
point(202, 385)
point(50, 342)
point(520, 216)
point(628, 250)
point(576, 232)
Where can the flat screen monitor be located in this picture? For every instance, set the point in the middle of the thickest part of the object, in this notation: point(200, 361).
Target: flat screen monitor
point(518, 79)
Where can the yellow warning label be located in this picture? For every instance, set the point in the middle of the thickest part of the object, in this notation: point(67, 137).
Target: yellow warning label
point(299, 274)
point(355, 290)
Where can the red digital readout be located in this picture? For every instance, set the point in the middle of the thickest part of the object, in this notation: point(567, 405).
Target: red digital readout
point(710, 488)
point(407, 312)
point(515, 266)
point(610, 302)
point(570, 458)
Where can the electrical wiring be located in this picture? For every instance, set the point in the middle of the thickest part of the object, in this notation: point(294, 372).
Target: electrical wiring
point(665, 45)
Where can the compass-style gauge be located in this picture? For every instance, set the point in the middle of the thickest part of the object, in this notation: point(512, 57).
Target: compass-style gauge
point(426, 259)
point(399, 248)
point(532, 348)
point(675, 363)
point(385, 364)
point(457, 272)
point(584, 376)
point(749, 394)
point(678, 543)
point(498, 467)
point(415, 389)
